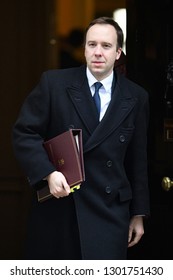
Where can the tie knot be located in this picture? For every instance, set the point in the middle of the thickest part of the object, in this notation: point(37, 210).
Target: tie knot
point(97, 85)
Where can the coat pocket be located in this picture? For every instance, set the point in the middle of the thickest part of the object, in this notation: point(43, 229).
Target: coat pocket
point(125, 194)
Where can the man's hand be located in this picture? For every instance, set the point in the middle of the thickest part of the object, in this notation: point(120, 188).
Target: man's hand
point(58, 185)
point(136, 230)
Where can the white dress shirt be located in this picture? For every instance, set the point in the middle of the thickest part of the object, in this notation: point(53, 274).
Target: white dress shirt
point(104, 92)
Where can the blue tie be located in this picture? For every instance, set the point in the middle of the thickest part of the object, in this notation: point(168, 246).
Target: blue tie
point(96, 96)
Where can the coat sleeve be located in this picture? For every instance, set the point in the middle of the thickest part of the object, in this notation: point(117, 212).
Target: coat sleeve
point(136, 161)
point(29, 132)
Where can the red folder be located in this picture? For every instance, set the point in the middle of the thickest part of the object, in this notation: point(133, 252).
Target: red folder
point(65, 151)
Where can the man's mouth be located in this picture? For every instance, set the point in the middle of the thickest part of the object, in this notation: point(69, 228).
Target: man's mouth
point(97, 63)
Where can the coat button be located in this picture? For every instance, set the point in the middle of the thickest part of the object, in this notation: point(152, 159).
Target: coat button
point(122, 138)
point(28, 179)
point(108, 190)
point(109, 163)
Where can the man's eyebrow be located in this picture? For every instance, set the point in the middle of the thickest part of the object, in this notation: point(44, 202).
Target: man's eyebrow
point(108, 43)
point(95, 41)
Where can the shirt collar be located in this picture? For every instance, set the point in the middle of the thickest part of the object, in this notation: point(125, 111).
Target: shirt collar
point(107, 82)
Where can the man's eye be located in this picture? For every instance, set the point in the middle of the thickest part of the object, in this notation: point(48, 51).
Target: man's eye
point(106, 46)
point(91, 44)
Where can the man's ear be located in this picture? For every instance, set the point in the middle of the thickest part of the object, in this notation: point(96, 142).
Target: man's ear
point(119, 51)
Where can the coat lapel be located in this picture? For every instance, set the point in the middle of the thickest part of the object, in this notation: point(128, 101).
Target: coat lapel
point(120, 106)
point(81, 98)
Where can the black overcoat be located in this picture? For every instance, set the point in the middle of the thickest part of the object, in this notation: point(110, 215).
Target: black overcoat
point(115, 159)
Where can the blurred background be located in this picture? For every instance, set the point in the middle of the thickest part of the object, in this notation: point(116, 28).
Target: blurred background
point(47, 34)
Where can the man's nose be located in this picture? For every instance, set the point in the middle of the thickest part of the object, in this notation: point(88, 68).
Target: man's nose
point(98, 50)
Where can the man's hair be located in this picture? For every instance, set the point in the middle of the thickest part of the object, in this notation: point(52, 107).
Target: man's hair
point(110, 21)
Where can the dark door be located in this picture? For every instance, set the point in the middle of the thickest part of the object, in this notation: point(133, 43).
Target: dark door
point(26, 28)
point(149, 63)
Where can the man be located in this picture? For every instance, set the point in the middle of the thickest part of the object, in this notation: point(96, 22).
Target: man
point(104, 217)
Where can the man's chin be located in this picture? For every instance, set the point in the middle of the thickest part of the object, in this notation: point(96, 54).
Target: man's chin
point(98, 74)
point(97, 70)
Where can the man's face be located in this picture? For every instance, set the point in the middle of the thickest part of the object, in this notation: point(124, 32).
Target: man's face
point(101, 50)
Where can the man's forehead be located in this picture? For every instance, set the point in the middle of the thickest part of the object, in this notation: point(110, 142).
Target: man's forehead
point(105, 32)
point(102, 26)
